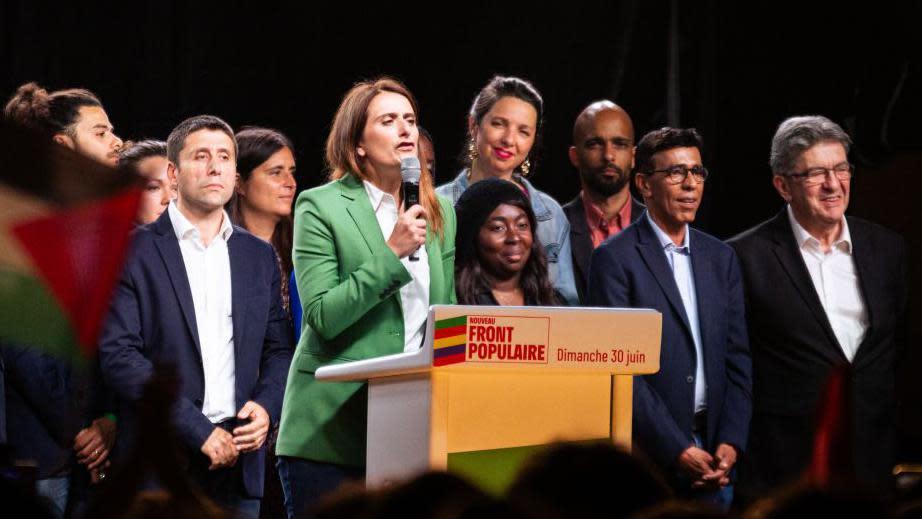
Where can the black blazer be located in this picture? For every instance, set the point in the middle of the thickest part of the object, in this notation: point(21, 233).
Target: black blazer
point(794, 348)
point(581, 240)
point(45, 404)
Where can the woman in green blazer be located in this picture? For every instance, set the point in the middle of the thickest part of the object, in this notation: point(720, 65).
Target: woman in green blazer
point(361, 295)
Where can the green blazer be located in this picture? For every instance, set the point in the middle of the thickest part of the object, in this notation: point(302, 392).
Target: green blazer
point(349, 282)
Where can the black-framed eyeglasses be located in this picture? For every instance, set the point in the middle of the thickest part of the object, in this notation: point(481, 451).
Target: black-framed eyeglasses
point(678, 173)
point(816, 176)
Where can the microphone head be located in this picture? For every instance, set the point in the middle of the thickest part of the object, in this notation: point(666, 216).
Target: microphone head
point(410, 169)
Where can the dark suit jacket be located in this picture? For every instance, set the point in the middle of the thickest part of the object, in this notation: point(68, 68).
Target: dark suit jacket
point(152, 321)
point(45, 401)
point(631, 270)
point(581, 240)
point(794, 348)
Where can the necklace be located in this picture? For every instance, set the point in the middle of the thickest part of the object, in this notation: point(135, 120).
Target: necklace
point(508, 299)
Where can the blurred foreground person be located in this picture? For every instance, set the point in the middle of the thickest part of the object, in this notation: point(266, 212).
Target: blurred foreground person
point(579, 480)
point(63, 414)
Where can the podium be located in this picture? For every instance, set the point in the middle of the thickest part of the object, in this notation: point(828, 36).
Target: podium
point(491, 384)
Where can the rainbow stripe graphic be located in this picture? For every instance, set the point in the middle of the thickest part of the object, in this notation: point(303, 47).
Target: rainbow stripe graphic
point(450, 342)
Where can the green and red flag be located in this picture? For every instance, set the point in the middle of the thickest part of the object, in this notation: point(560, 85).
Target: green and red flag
point(65, 222)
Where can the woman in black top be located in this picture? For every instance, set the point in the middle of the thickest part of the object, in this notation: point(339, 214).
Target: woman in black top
point(498, 260)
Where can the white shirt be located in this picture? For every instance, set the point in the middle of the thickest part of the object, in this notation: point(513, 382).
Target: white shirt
point(208, 270)
point(835, 279)
point(414, 296)
point(679, 259)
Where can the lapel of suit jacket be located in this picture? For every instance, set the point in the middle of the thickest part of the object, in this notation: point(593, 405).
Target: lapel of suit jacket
point(436, 270)
point(706, 281)
point(637, 209)
point(168, 247)
point(241, 265)
point(792, 262)
point(362, 213)
point(868, 276)
point(655, 258)
point(581, 241)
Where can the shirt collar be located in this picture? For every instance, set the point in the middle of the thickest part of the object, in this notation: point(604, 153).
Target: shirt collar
point(542, 212)
point(665, 241)
point(185, 229)
point(843, 242)
point(377, 197)
point(595, 215)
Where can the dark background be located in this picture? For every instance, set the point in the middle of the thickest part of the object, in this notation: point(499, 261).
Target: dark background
point(732, 69)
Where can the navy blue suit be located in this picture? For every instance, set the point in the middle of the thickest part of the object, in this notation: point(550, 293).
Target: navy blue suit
point(152, 322)
point(631, 270)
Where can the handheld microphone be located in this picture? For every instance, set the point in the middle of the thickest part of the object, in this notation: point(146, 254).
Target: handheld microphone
point(410, 173)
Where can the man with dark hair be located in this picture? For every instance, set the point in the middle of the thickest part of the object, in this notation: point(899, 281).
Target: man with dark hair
point(822, 290)
point(177, 138)
point(73, 118)
point(203, 295)
point(603, 153)
point(62, 414)
point(692, 417)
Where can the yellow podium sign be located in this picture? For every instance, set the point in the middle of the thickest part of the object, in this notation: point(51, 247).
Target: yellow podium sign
point(491, 383)
point(626, 342)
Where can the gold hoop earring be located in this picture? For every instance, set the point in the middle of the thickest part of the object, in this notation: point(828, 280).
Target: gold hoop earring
point(525, 167)
point(472, 153)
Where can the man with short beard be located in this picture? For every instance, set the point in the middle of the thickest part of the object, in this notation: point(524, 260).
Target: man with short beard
point(603, 153)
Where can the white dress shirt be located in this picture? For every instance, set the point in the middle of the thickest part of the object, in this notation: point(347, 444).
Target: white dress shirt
point(414, 296)
point(208, 270)
point(835, 279)
point(679, 259)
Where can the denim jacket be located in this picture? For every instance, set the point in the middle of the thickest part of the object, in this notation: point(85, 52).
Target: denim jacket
point(553, 233)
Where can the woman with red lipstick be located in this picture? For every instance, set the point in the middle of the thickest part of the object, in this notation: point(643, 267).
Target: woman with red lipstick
point(504, 129)
point(265, 193)
point(498, 261)
point(362, 294)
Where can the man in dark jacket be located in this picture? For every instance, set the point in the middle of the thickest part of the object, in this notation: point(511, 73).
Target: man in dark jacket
point(603, 153)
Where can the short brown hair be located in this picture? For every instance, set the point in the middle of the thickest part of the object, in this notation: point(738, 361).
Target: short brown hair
point(177, 138)
point(346, 132)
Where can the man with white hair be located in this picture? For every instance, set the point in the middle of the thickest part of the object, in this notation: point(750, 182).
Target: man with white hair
point(823, 290)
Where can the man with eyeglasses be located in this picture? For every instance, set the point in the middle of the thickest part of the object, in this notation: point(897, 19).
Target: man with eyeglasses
point(822, 290)
point(692, 417)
